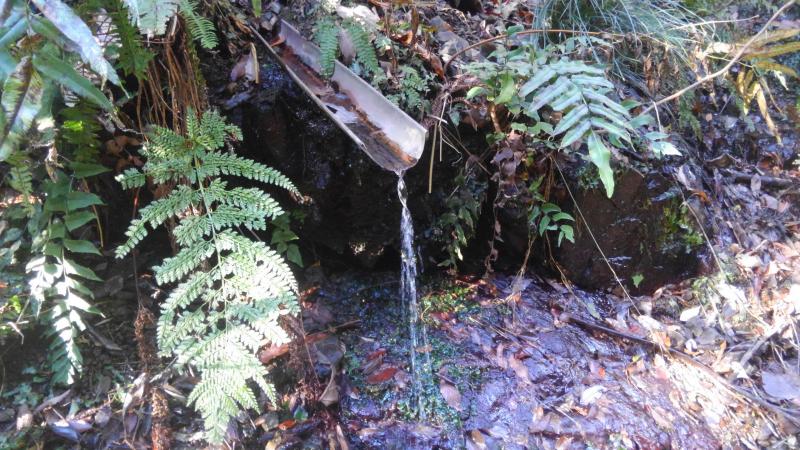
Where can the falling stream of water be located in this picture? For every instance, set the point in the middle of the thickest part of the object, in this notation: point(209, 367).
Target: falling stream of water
point(408, 294)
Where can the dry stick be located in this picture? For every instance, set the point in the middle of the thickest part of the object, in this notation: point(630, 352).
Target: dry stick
point(790, 415)
point(727, 67)
point(522, 33)
point(596, 244)
point(777, 329)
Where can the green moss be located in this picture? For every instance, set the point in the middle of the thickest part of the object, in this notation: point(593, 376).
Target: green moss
point(588, 178)
point(678, 229)
point(447, 297)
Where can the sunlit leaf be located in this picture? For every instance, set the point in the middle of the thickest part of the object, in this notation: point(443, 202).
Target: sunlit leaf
point(151, 16)
point(21, 101)
point(65, 74)
point(76, 30)
point(601, 158)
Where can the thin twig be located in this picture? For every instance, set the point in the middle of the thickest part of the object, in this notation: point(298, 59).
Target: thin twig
point(522, 33)
point(739, 391)
point(596, 244)
point(724, 70)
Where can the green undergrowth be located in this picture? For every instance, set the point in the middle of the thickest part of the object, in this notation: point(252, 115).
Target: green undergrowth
point(447, 297)
point(679, 231)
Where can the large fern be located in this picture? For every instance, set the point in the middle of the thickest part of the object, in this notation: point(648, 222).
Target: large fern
point(579, 92)
point(80, 131)
point(231, 289)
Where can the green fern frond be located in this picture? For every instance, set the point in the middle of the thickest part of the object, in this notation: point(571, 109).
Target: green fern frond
point(151, 16)
point(57, 281)
point(327, 38)
point(231, 290)
point(218, 164)
point(80, 130)
point(133, 56)
point(365, 52)
point(200, 28)
point(21, 101)
point(589, 115)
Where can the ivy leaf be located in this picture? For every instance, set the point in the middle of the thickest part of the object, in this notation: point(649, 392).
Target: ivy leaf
point(550, 208)
point(76, 30)
point(568, 232)
point(562, 216)
point(543, 224)
point(293, 255)
point(601, 157)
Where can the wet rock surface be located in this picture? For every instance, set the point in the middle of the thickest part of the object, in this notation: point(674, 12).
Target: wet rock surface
point(644, 229)
point(352, 210)
point(533, 382)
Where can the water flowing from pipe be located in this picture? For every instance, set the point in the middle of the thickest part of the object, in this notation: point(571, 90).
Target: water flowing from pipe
point(408, 294)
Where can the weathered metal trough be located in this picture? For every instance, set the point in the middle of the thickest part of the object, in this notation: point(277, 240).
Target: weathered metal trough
point(389, 136)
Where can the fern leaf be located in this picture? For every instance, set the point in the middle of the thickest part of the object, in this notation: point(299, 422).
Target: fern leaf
point(230, 289)
point(327, 37)
point(200, 28)
point(151, 16)
point(365, 52)
point(579, 91)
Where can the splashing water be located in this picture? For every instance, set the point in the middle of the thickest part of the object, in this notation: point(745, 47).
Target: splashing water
point(408, 294)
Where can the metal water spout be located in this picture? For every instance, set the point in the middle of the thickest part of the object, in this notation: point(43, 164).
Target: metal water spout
point(389, 136)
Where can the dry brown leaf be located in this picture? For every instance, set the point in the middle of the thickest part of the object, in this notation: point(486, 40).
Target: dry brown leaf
point(330, 395)
point(450, 394)
point(382, 375)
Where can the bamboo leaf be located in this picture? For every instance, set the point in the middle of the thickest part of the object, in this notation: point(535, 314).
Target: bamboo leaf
point(773, 51)
point(21, 101)
point(76, 30)
point(775, 67)
point(65, 74)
